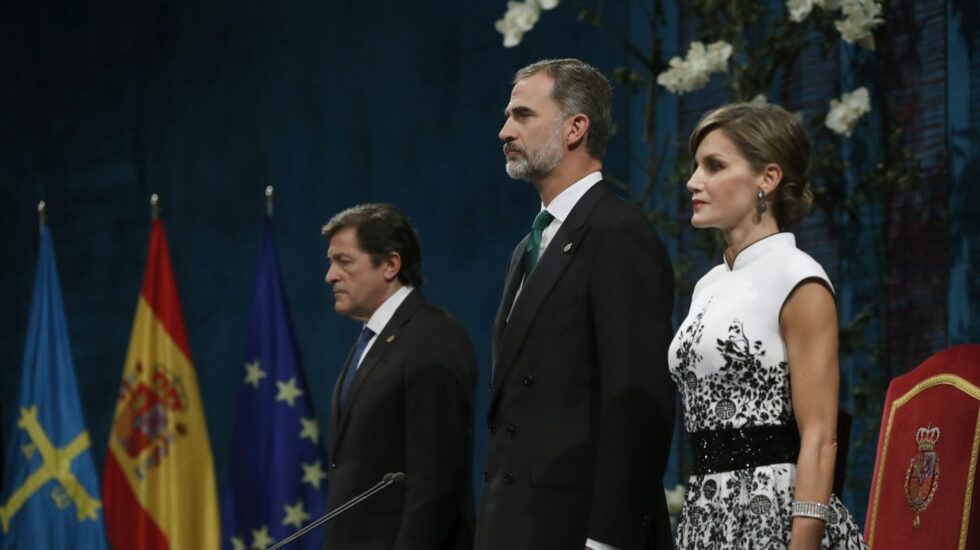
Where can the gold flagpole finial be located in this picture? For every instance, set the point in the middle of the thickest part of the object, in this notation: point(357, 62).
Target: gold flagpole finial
point(154, 206)
point(268, 201)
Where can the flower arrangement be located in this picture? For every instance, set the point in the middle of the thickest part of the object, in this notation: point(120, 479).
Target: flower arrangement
point(859, 19)
point(694, 71)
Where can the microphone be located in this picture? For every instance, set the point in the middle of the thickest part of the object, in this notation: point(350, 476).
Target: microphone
point(387, 480)
point(396, 477)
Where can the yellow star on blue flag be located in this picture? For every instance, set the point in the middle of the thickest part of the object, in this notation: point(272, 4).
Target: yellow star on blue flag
point(276, 431)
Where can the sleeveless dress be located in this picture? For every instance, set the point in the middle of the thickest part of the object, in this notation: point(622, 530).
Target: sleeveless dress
point(729, 361)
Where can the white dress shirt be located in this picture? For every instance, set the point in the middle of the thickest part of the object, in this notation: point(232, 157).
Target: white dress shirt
point(379, 319)
point(560, 207)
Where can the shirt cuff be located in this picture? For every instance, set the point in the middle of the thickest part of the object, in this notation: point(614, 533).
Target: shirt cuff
point(596, 545)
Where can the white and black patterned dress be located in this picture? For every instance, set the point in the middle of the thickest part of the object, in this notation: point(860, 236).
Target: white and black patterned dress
point(729, 361)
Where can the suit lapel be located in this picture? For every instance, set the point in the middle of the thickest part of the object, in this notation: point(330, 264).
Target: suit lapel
point(514, 275)
point(335, 412)
point(536, 287)
point(371, 362)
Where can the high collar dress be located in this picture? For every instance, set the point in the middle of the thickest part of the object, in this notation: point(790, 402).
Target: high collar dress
point(730, 363)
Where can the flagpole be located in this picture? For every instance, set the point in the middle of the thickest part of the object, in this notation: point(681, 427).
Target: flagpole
point(268, 201)
point(154, 206)
point(42, 216)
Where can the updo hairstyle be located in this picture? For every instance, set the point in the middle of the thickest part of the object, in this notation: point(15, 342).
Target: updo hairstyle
point(765, 134)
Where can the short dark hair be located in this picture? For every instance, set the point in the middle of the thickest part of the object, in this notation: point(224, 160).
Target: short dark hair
point(382, 229)
point(765, 133)
point(579, 88)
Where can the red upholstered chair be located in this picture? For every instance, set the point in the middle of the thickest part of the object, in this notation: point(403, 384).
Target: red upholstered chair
point(925, 492)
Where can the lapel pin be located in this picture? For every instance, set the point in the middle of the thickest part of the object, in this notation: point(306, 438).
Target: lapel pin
point(567, 247)
point(390, 339)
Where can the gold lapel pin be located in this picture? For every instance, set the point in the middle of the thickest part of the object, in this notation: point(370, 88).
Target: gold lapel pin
point(390, 339)
point(567, 247)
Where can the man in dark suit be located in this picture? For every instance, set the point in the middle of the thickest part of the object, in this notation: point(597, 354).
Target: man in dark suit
point(581, 406)
point(404, 400)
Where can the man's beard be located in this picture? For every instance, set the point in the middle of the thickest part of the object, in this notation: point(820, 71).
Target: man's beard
point(535, 164)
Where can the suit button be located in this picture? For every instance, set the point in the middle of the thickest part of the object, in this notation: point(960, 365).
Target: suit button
point(333, 465)
point(491, 429)
point(490, 388)
point(528, 380)
point(486, 475)
point(508, 479)
point(511, 430)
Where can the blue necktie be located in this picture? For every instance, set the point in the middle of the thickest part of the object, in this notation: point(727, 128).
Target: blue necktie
point(351, 369)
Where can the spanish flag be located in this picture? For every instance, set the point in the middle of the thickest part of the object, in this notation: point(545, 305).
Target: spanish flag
point(158, 488)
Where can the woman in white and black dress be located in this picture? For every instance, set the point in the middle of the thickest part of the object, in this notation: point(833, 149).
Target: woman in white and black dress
point(756, 358)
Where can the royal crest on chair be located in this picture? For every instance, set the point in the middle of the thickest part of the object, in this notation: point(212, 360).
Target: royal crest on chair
point(922, 476)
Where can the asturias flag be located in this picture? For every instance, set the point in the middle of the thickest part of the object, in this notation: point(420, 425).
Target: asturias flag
point(158, 484)
point(51, 490)
point(277, 474)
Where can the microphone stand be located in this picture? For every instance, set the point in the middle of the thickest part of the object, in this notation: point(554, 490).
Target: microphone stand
point(387, 480)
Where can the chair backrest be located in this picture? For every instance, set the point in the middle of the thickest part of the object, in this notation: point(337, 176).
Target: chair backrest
point(925, 481)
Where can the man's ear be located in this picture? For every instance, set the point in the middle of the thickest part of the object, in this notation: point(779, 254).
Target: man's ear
point(576, 128)
point(391, 266)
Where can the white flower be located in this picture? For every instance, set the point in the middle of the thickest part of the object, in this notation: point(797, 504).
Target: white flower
point(693, 72)
point(717, 56)
point(860, 18)
point(845, 113)
point(800, 9)
point(523, 14)
point(697, 64)
point(519, 18)
point(675, 499)
point(512, 34)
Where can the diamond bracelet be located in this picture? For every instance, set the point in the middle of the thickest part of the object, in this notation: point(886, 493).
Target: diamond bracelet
point(809, 509)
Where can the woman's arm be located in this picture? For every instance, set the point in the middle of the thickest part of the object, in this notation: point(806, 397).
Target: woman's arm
point(809, 326)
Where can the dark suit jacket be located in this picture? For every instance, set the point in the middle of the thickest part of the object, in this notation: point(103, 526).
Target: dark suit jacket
point(410, 409)
point(581, 406)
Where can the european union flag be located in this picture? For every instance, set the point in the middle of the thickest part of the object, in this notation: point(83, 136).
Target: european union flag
point(51, 491)
point(277, 476)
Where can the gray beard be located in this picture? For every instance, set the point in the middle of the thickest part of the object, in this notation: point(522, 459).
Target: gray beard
point(526, 169)
point(538, 163)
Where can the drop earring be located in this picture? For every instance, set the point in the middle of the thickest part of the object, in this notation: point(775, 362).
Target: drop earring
point(761, 208)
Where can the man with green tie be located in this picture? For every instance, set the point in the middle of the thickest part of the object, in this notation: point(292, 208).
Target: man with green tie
point(581, 404)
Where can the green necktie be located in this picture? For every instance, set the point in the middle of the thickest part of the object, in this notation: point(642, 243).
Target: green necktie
point(542, 220)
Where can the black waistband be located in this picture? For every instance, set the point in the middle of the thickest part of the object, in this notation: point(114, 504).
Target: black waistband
point(734, 449)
